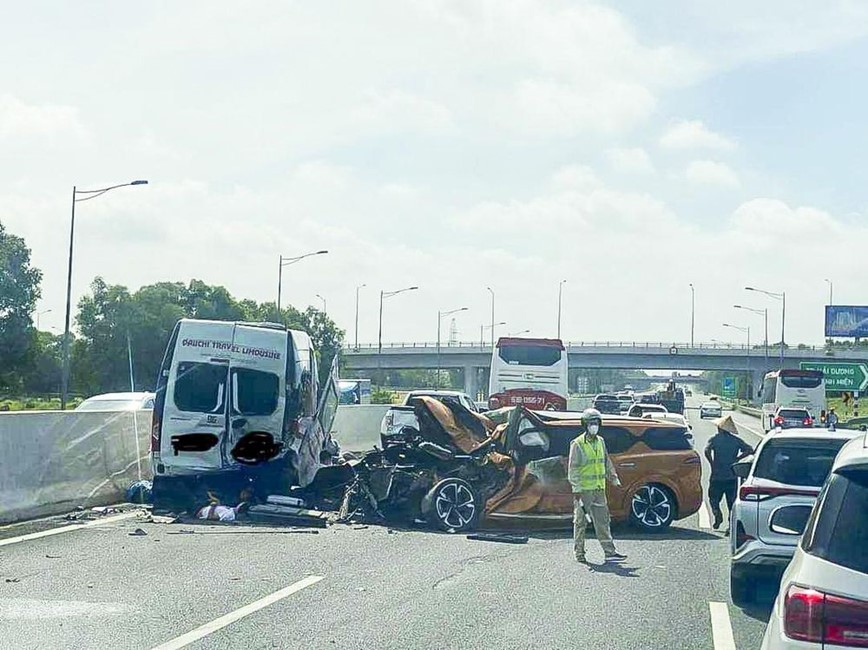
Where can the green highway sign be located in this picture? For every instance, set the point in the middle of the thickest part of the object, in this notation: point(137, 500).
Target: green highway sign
point(840, 376)
point(729, 388)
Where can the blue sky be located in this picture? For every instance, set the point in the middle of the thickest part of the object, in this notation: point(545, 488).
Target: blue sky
point(630, 148)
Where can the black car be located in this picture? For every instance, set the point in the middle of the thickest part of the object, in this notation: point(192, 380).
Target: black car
point(607, 404)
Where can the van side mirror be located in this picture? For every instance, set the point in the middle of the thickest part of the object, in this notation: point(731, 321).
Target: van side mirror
point(742, 468)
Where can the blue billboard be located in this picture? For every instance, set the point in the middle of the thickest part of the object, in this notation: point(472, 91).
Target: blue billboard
point(846, 320)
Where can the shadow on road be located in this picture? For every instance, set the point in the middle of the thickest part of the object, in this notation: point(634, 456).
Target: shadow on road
point(627, 533)
point(620, 570)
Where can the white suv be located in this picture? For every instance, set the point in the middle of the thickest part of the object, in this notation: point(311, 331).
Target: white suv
point(781, 482)
point(823, 598)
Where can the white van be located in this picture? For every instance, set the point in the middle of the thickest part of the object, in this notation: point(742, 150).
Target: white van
point(240, 396)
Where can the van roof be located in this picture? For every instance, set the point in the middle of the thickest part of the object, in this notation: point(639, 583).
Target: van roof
point(263, 325)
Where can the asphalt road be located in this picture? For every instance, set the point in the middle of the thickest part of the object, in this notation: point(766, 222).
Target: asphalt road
point(100, 587)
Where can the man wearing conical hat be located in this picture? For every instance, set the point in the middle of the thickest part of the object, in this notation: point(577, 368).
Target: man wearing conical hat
point(723, 450)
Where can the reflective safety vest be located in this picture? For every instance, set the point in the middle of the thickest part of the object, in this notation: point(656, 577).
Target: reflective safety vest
point(592, 475)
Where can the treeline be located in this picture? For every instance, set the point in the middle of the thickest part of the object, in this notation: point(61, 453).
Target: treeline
point(111, 321)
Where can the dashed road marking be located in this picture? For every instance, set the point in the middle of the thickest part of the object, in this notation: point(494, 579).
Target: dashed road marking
point(227, 619)
point(704, 517)
point(68, 529)
point(721, 626)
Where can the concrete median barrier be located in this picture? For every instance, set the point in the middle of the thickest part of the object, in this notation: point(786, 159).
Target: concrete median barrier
point(52, 461)
point(357, 426)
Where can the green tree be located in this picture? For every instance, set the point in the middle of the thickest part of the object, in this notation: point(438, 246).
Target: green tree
point(19, 291)
point(110, 316)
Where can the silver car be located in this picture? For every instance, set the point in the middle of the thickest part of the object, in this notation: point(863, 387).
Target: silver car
point(781, 482)
point(710, 410)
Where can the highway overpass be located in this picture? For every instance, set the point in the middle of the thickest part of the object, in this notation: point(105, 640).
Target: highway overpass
point(471, 357)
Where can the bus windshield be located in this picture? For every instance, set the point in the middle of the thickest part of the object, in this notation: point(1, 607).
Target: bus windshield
point(530, 372)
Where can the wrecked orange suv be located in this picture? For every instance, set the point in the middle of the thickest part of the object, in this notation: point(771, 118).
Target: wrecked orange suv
point(659, 470)
point(460, 469)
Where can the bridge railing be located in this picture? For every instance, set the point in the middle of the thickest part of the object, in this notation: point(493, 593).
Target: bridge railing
point(681, 347)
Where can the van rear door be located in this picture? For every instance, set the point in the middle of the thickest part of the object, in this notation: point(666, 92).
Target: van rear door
point(257, 394)
point(194, 418)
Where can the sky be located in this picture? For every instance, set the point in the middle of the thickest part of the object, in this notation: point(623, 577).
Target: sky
point(628, 148)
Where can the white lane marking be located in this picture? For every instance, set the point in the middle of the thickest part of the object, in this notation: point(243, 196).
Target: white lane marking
point(67, 529)
point(721, 627)
point(759, 434)
point(30, 609)
point(704, 516)
point(219, 623)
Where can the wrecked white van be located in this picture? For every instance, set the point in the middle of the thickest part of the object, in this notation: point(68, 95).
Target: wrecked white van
point(241, 399)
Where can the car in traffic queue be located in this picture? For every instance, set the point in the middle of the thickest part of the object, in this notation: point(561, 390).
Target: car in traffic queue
point(118, 402)
point(786, 418)
point(710, 409)
point(675, 418)
point(640, 409)
point(781, 481)
point(822, 602)
point(607, 404)
point(625, 401)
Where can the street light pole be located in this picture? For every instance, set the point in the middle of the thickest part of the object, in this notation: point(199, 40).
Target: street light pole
point(38, 314)
point(286, 261)
point(88, 195)
point(491, 291)
point(560, 296)
point(692, 313)
point(383, 296)
point(440, 316)
point(749, 388)
point(765, 314)
point(783, 298)
point(482, 328)
point(324, 308)
point(357, 313)
point(829, 282)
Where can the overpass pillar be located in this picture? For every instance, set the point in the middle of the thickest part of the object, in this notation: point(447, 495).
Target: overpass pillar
point(757, 382)
point(471, 381)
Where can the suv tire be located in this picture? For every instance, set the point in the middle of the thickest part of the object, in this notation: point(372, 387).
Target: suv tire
point(653, 508)
point(452, 505)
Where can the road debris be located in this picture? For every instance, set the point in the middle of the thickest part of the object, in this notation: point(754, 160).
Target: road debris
point(499, 537)
point(138, 532)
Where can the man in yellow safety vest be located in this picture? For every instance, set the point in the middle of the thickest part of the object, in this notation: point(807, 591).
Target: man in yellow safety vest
point(589, 467)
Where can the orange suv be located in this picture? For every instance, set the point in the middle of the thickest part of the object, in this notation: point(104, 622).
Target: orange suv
point(659, 470)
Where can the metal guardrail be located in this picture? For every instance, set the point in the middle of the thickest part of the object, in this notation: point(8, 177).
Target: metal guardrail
point(682, 347)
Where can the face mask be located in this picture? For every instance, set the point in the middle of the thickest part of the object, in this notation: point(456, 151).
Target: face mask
point(593, 429)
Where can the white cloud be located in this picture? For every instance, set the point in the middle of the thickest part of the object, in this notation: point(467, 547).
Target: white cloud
point(21, 120)
point(396, 111)
point(693, 134)
point(711, 172)
point(633, 160)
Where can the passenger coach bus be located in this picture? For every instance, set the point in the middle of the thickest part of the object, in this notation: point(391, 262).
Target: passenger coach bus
point(793, 389)
point(529, 372)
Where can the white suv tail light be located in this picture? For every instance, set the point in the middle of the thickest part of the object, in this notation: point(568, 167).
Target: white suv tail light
point(816, 617)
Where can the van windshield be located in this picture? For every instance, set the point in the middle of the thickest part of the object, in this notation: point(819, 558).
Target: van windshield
point(200, 387)
point(254, 392)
